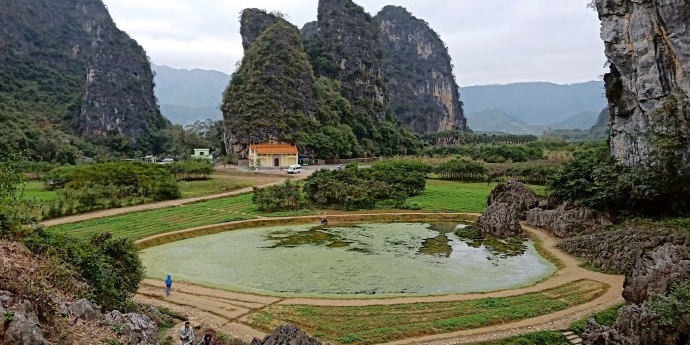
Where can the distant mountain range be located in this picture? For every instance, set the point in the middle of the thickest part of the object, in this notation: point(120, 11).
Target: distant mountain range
point(531, 108)
point(496, 120)
point(186, 96)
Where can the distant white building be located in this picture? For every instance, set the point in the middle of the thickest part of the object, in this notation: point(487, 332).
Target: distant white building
point(202, 154)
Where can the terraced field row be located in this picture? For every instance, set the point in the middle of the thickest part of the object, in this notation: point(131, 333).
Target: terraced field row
point(385, 323)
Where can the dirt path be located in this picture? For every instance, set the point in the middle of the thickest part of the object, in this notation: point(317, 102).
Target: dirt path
point(226, 310)
point(265, 180)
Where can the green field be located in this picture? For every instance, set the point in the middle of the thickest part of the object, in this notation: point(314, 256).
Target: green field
point(440, 196)
point(143, 224)
point(451, 196)
point(214, 185)
point(36, 190)
point(385, 323)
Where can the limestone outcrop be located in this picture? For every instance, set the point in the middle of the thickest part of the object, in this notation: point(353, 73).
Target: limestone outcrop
point(134, 328)
point(652, 260)
point(287, 335)
point(567, 220)
point(507, 203)
point(423, 91)
point(647, 43)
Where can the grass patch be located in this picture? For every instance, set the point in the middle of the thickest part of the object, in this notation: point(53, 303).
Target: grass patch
point(214, 185)
point(35, 189)
point(140, 225)
point(453, 196)
point(379, 324)
point(606, 317)
point(536, 338)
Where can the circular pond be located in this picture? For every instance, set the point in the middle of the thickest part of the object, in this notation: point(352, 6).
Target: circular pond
point(374, 260)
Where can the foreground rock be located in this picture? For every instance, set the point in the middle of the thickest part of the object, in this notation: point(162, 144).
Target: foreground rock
point(25, 327)
point(568, 221)
point(287, 335)
point(652, 260)
point(647, 45)
point(134, 328)
point(507, 202)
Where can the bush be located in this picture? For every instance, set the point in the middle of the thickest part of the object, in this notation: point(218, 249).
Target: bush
point(461, 169)
point(284, 197)
point(112, 268)
point(592, 178)
point(672, 308)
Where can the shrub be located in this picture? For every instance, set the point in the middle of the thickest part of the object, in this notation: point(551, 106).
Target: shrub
point(284, 197)
point(112, 268)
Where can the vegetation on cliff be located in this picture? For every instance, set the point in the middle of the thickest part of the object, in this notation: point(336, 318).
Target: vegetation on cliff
point(111, 268)
point(271, 95)
point(421, 85)
point(87, 79)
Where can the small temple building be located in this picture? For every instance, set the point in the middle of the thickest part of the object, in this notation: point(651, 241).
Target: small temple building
point(269, 155)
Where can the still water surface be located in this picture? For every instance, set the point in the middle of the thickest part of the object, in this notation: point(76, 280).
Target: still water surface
point(374, 260)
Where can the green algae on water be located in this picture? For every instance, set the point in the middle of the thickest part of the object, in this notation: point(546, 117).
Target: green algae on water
point(369, 260)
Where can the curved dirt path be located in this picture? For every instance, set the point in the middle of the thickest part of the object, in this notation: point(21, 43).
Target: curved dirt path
point(277, 179)
point(227, 311)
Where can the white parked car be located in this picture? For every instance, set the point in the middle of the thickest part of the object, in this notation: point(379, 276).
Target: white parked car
point(294, 169)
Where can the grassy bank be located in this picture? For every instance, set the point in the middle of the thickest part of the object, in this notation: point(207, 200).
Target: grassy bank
point(451, 196)
point(440, 196)
point(536, 338)
point(379, 324)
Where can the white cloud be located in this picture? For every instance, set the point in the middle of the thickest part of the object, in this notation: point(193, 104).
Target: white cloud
point(490, 41)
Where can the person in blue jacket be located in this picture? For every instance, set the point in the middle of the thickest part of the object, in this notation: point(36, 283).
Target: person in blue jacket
point(168, 285)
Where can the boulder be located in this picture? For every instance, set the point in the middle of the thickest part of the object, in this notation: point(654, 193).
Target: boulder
point(653, 272)
point(500, 220)
point(568, 221)
point(85, 310)
point(636, 325)
point(25, 327)
point(287, 335)
point(5, 297)
point(600, 335)
point(134, 328)
point(515, 194)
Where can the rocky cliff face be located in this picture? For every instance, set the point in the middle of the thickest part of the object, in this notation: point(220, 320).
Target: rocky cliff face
point(648, 46)
point(421, 85)
point(350, 51)
point(271, 95)
point(66, 63)
point(253, 22)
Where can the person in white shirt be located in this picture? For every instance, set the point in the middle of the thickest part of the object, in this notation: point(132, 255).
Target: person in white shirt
point(187, 334)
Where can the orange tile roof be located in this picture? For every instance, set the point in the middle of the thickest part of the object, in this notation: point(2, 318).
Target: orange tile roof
point(274, 149)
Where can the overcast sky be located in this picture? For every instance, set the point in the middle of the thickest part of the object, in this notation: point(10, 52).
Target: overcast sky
point(490, 41)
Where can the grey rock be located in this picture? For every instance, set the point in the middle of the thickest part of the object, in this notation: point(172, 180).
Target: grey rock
point(515, 194)
point(647, 43)
point(636, 325)
point(654, 271)
point(136, 329)
point(5, 297)
point(85, 310)
point(506, 203)
point(25, 328)
point(600, 335)
point(287, 335)
point(567, 221)
point(500, 220)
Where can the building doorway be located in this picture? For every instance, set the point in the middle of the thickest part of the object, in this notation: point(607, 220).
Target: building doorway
point(276, 162)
